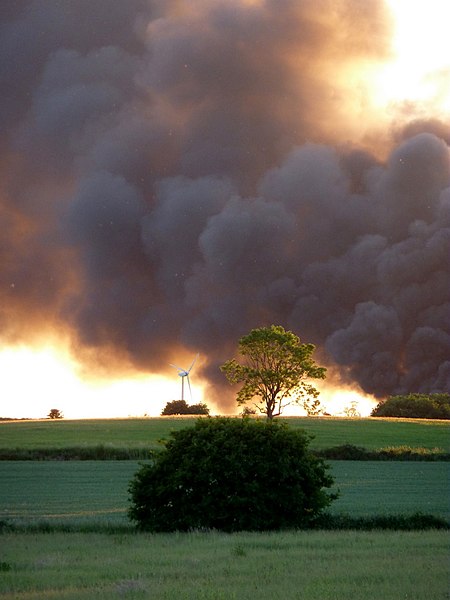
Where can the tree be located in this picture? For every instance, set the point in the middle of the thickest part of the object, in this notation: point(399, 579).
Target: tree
point(352, 409)
point(181, 407)
point(248, 411)
point(231, 474)
point(276, 370)
point(414, 406)
point(312, 406)
point(55, 414)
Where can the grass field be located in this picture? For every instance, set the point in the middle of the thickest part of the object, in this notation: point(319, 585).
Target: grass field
point(213, 566)
point(91, 496)
point(95, 492)
point(142, 433)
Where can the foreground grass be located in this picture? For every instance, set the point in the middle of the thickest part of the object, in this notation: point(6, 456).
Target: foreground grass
point(95, 492)
point(277, 566)
point(146, 433)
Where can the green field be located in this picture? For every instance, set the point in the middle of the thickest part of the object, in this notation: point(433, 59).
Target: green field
point(95, 492)
point(213, 566)
point(91, 496)
point(370, 433)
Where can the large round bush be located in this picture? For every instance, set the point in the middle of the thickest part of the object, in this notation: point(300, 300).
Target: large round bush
point(231, 474)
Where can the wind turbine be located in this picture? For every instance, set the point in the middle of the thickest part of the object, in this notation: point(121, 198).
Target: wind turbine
point(184, 374)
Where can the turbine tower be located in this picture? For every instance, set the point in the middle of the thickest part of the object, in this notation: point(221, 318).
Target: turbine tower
point(184, 374)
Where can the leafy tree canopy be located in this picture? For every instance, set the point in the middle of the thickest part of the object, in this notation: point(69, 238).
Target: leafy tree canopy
point(276, 369)
point(55, 413)
point(231, 474)
point(415, 406)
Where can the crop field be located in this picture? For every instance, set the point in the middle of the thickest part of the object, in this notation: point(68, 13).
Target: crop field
point(370, 433)
point(95, 492)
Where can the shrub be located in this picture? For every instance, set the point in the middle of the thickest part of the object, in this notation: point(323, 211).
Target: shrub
point(415, 406)
point(232, 475)
point(408, 453)
point(346, 452)
point(181, 407)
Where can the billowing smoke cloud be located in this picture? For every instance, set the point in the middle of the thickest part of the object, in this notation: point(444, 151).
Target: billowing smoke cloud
point(175, 173)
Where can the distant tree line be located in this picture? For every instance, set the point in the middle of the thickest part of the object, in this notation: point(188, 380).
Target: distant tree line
point(415, 406)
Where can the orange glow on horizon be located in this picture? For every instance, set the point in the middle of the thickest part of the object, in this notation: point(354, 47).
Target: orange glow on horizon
point(33, 381)
point(339, 400)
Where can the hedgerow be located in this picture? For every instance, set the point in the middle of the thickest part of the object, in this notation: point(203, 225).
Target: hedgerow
point(415, 406)
point(105, 452)
point(404, 453)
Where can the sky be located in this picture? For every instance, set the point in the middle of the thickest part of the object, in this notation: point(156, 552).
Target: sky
point(174, 174)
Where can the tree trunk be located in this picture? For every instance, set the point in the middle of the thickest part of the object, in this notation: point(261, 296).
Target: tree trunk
point(270, 406)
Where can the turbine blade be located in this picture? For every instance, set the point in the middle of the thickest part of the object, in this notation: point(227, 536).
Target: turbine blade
point(193, 362)
point(189, 384)
point(175, 367)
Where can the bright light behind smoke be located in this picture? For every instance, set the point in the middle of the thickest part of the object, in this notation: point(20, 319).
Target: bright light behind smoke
point(338, 401)
point(418, 76)
point(34, 381)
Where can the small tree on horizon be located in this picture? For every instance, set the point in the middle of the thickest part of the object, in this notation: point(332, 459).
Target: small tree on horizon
point(55, 413)
point(276, 369)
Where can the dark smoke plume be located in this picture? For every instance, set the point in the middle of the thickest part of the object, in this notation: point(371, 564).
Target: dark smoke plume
point(175, 173)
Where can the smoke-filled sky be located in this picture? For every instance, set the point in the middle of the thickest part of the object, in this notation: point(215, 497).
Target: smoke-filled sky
point(175, 173)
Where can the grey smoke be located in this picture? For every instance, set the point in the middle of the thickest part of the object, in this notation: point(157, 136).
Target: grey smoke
point(172, 176)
